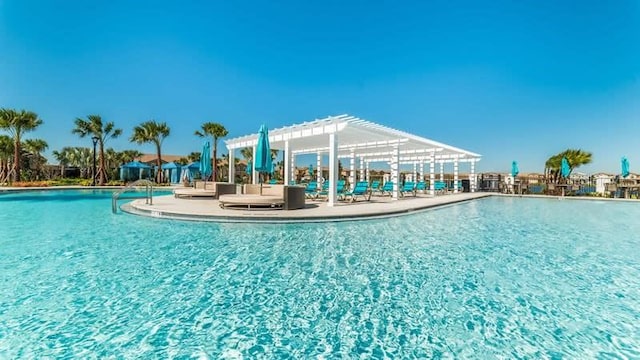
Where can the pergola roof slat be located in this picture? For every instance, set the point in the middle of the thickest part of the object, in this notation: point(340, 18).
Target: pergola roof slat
point(354, 135)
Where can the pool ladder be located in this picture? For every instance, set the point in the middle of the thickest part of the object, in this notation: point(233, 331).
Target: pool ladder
point(148, 188)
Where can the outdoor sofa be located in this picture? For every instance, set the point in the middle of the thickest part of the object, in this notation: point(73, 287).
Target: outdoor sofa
point(209, 189)
point(285, 197)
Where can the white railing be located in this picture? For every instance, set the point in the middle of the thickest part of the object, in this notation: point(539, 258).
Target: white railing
point(148, 187)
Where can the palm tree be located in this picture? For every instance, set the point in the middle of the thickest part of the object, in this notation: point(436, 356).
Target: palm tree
point(35, 147)
point(80, 157)
point(216, 131)
point(93, 126)
point(62, 157)
point(152, 132)
point(575, 157)
point(6, 153)
point(247, 153)
point(127, 156)
point(194, 156)
point(17, 123)
point(182, 161)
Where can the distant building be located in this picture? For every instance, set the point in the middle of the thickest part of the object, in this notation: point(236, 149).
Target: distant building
point(601, 180)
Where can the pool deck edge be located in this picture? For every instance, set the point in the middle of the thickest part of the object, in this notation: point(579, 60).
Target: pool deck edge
point(317, 212)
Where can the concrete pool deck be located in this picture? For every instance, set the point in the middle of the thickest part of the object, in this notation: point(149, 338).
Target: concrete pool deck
point(315, 211)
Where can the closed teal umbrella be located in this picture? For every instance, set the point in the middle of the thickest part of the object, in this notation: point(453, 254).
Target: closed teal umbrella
point(262, 157)
point(625, 167)
point(514, 169)
point(311, 170)
point(205, 162)
point(249, 167)
point(565, 169)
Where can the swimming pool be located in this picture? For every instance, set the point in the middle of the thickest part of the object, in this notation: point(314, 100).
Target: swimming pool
point(498, 277)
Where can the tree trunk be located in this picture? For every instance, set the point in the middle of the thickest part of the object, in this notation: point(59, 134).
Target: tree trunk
point(159, 164)
point(214, 160)
point(2, 171)
point(102, 177)
point(16, 159)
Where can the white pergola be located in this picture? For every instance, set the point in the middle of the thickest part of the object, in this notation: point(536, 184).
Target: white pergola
point(350, 137)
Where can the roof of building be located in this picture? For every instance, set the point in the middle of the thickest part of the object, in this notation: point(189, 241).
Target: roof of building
point(145, 158)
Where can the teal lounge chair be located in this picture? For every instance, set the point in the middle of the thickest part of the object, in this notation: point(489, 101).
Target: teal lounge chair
point(339, 189)
point(361, 189)
point(311, 191)
point(375, 186)
point(421, 186)
point(387, 188)
point(409, 187)
point(324, 190)
point(273, 181)
point(440, 186)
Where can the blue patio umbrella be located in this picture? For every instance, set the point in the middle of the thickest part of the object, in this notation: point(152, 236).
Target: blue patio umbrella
point(205, 161)
point(262, 157)
point(625, 167)
point(514, 169)
point(565, 169)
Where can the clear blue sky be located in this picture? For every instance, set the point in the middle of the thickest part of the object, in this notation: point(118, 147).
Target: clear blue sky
point(512, 80)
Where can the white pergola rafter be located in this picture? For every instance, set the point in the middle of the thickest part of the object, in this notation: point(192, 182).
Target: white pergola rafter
point(346, 136)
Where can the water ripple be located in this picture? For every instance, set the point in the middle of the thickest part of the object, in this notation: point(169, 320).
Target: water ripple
point(496, 278)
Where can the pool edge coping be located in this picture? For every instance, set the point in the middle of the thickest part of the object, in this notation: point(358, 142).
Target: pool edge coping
point(132, 210)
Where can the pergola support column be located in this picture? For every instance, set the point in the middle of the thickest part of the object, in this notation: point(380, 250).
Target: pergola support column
point(415, 172)
point(472, 176)
point(232, 165)
point(455, 176)
point(352, 170)
point(432, 174)
point(287, 163)
point(421, 170)
point(362, 170)
point(441, 170)
point(319, 168)
point(367, 172)
point(395, 172)
point(333, 168)
point(292, 160)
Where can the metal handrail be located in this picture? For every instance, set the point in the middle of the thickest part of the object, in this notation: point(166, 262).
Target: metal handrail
point(148, 186)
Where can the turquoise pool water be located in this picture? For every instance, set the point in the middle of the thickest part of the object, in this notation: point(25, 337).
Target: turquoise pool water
point(498, 277)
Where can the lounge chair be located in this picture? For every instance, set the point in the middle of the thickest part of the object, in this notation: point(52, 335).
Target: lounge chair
point(409, 187)
point(387, 188)
point(311, 191)
point(375, 186)
point(440, 186)
point(273, 182)
point(325, 189)
point(421, 186)
point(361, 189)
